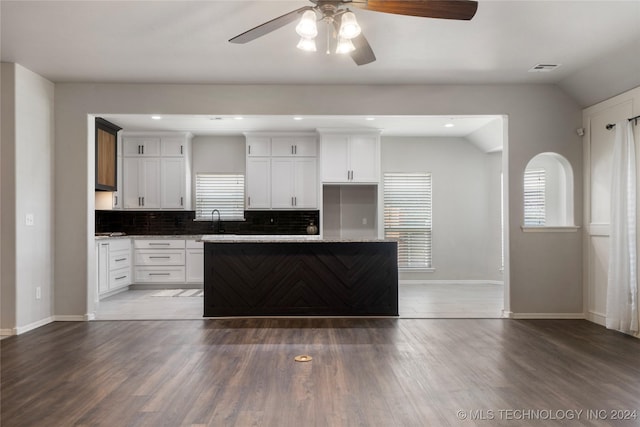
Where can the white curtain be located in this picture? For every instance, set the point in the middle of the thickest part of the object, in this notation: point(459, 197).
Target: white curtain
point(622, 290)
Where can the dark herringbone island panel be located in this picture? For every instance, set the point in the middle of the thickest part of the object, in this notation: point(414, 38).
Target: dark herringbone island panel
point(364, 372)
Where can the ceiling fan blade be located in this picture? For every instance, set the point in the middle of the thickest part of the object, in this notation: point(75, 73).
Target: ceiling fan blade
point(269, 26)
point(363, 54)
point(442, 9)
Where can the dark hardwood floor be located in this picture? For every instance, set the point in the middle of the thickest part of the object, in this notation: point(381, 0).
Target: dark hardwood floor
point(364, 372)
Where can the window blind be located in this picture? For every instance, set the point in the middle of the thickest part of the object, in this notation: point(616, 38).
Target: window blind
point(407, 217)
point(534, 197)
point(224, 192)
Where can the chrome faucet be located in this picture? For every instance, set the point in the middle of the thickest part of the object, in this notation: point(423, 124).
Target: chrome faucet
point(218, 224)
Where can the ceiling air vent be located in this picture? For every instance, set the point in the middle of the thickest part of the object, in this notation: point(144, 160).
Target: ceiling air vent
point(543, 68)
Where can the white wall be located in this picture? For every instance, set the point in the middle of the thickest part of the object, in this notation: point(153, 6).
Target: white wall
point(465, 203)
point(32, 189)
point(598, 146)
point(545, 270)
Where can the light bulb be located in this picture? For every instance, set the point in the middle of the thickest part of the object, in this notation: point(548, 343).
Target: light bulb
point(344, 45)
point(308, 44)
point(349, 27)
point(307, 27)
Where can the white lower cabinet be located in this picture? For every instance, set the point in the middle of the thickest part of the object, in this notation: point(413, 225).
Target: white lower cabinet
point(162, 261)
point(194, 269)
point(113, 265)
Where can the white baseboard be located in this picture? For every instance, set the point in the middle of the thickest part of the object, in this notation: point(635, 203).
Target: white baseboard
point(450, 282)
point(547, 316)
point(507, 314)
point(70, 318)
point(598, 318)
point(31, 326)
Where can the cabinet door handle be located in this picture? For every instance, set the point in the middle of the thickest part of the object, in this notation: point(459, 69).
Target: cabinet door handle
point(142, 149)
point(160, 257)
point(121, 277)
point(181, 150)
point(181, 201)
point(139, 202)
point(120, 259)
point(291, 200)
point(249, 201)
point(295, 201)
point(295, 149)
point(292, 150)
point(143, 201)
point(115, 200)
point(159, 274)
point(249, 148)
point(138, 149)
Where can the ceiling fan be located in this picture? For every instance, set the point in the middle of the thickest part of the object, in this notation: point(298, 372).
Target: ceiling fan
point(338, 17)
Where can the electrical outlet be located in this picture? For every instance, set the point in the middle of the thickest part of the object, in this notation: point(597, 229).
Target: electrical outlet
point(29, 219)
point(364, 221)
point(38, 292)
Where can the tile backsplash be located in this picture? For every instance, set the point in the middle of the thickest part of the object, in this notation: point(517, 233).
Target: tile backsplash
point(182, 222)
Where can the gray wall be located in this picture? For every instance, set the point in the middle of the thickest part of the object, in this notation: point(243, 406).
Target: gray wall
point(466, 204)
point(27, 179)
point(216, 154)
point(545, 270)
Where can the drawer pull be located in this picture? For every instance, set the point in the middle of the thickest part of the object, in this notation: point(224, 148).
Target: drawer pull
point(159, 244)
point(121, 277)
point(120, 259)
point(161, 257)
point(159, 274)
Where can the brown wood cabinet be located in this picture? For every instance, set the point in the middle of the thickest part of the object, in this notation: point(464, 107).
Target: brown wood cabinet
point(106, 155)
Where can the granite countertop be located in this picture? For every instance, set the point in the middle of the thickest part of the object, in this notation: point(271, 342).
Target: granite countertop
point(231, 238)
point(152, 236)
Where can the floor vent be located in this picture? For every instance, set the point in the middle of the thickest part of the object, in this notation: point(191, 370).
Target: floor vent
point(543, 68)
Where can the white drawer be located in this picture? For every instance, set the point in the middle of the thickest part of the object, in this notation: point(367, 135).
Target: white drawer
point(194, 244)
point(119, 278)
point(159, 274)
point(119, 244)
point(159, 257)
point(119, 259)
point(159, 244)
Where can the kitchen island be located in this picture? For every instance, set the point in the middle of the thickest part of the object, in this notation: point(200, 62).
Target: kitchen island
point(299, 276)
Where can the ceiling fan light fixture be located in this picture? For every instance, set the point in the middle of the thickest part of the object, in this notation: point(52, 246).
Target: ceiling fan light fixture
point(344, 46)
point(307, 44)
point(349, 27)
point(307, 27)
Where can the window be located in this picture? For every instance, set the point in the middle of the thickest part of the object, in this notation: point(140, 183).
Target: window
point(534, 197)
point(407, 217)
point(224, 192)
point(548, 193)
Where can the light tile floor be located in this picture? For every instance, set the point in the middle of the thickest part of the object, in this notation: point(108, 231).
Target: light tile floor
point(456, 300)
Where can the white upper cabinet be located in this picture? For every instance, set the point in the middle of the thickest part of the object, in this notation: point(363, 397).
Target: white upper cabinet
point(282, 171)
point(156, 172)
point(298, 146)
point(141, 146)
point(258, 146)
point(350, 158)
point(172, 193)
point(172, 146)
point(258, 183)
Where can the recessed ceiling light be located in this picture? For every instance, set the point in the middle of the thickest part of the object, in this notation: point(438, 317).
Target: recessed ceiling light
point(449, 125)
point(297, 118)
point(238, 117)
point(370, 118)
point(156, 117)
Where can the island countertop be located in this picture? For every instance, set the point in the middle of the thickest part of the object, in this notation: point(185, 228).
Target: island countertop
point(236, 238)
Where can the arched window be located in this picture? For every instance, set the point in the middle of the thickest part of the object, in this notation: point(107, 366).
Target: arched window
point(548, 191)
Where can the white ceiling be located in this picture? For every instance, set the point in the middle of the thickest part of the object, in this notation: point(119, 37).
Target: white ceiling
point(236, 125)
point(184, 41)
